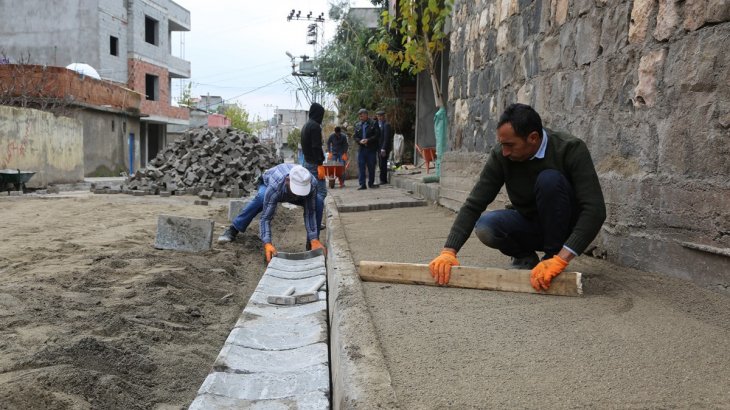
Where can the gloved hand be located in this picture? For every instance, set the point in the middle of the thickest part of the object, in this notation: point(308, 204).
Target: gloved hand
point(545, 271)
point(329, 156)
point(344, 157)
point(382, 153)
point(441, 266)
point(269, 251)
point(316, 244)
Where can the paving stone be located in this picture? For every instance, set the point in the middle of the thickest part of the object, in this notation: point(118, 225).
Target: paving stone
point(165, 194)
point(244, 360)
point(235, 207)
point(272, 285)
point(265, 333)
point(290, 265)
point(15, 193)
point(299, 274)
point(264, 309)
point(314, 400)
point(184, 234)
point(200, 202)
point(267, 386)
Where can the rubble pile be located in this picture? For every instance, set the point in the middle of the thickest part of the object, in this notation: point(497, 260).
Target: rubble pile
point(218, 162)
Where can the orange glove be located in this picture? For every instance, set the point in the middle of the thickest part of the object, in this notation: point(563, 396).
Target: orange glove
point(316, 244)
point(320, 172)
point(441, 266)
point(329, 156)
point(344, 157)
point(545, 271)
point(269, 251)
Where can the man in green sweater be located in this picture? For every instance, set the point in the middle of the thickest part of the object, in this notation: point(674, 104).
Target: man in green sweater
point(557, 201)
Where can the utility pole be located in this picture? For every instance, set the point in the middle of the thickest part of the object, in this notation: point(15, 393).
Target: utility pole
point(312, 92)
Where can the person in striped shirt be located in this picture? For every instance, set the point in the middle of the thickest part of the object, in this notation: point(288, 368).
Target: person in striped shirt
point(283, 183)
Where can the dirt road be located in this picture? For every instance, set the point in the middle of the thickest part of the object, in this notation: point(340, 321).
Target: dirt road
point(92, 316)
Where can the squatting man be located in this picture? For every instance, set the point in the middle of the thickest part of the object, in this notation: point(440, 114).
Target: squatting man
point(283, 183)
point(558, 205)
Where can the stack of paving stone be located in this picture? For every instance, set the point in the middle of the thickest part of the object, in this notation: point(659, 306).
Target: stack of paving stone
point(277, 355)
point(227, 162)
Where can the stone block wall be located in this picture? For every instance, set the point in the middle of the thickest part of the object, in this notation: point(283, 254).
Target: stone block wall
point(644, 83)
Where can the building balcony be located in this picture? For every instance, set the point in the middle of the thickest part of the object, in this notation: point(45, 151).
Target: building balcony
point(178, 17)
point(178, 67)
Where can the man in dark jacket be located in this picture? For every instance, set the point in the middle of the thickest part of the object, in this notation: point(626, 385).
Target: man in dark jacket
point(554, 189)
point(313, 154)
point(386, 145)
point(367, 136)
point(337, 147)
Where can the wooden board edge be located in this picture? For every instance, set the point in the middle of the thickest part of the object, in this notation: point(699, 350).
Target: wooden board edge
point(568, 287)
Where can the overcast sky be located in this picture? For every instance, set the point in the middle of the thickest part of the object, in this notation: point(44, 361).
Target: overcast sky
point(237, 50)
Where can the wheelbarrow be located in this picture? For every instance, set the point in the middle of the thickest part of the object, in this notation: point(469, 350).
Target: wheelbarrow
point(333, 171)
point(14, 178)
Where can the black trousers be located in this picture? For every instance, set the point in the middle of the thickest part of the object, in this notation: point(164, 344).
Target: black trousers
point(383, 164)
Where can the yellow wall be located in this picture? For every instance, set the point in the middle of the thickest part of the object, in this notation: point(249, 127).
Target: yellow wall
point(32, 140)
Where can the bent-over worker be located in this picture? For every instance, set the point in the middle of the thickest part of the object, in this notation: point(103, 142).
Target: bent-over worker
point(554, 190)
point(283, 183)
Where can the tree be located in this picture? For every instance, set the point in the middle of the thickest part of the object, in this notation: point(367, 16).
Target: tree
point(351, 71)
point(414, 40)
point(186, 96)
point(294, 138)
point(239, 118)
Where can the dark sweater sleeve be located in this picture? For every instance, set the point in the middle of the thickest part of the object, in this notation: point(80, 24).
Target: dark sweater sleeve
point(592, 208)
point(485, 190)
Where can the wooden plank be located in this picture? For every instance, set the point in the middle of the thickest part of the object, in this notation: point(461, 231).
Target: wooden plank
point(510, 280)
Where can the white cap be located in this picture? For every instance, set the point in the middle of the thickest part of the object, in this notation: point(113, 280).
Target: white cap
point(300, 180)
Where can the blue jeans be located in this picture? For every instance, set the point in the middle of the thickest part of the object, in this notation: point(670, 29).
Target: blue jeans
point(243, 220)
point(366, 158)
point(321, 192)
point(517, 236)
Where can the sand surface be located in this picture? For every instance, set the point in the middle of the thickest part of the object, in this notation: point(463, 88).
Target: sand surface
point(92, 316)
point(635, 340)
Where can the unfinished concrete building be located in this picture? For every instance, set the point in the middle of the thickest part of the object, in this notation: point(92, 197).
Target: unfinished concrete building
point(129, 42)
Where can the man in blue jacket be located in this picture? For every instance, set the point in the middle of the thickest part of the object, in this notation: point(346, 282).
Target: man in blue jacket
point(367, 136)
point(283, 183)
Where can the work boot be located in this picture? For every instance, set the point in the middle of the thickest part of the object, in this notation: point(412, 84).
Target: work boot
point(229, 235)
point(362, 187)
point(525, 262)
point(373, 186)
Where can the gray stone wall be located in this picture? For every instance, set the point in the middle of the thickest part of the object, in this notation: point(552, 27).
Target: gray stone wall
point(644, 83)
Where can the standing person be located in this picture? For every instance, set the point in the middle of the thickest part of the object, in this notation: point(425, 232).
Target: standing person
point(386, 145)
point(282, 183)
point(367, 135)
point(337, 148)
point(313, 154)
point(554, 188)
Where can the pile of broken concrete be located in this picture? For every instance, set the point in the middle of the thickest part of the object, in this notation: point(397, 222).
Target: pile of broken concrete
point(221, 162)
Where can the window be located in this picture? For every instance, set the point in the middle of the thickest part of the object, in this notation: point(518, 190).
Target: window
point(152, 85)
point(150, 30)
point(113, 46)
